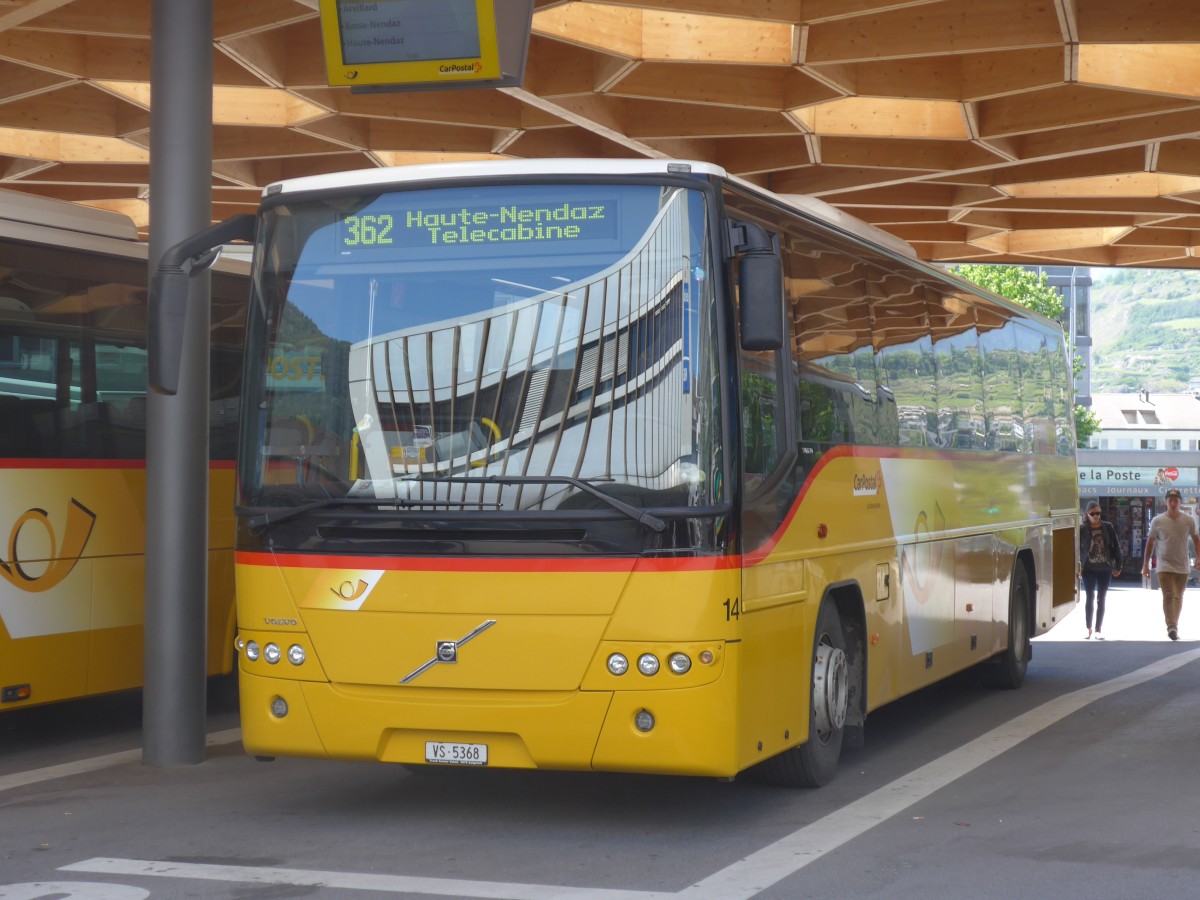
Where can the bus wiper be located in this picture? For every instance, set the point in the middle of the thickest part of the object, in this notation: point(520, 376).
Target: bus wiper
point(275, 515)
point(641, 516)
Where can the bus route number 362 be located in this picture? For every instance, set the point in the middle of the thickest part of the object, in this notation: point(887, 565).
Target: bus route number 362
point(452, 754)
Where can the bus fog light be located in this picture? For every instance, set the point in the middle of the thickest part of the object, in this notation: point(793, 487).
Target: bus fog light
point(644, 721)
point(296, 655)
point(239, 643)
point(272, 653)
point(279, 707)
point(679, 663)
point(648, 664)
point(252, 650)
point(618, 664)
point(706, 657)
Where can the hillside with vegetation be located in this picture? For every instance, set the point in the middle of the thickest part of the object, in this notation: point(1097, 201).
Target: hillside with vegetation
point(1145, 329)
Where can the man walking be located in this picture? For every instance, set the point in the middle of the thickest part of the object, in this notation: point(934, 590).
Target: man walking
point(1168, 535)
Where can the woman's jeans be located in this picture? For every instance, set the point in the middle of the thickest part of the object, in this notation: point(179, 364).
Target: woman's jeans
point(1096, 586)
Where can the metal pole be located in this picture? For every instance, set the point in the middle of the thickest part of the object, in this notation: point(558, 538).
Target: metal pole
point(173, 703)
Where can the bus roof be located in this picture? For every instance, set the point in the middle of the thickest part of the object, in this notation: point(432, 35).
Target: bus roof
point(32, 210)
point(400, 175)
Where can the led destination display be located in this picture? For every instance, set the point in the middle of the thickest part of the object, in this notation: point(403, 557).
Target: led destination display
point(500, 224)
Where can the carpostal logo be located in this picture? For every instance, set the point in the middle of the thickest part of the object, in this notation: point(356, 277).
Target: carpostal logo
point(471, 68)
point(867, 485)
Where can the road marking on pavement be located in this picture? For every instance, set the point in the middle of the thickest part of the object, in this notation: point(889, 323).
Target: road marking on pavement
point(356, 881)
point(789, 855)
point(738, 881)
point(80, 766)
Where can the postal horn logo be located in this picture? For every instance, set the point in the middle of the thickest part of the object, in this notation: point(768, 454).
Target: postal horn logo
point(62, 558)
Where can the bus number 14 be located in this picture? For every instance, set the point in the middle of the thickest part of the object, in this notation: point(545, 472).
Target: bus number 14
point(733, 609)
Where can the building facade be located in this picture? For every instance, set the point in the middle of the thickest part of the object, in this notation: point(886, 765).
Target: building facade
point(1147, 444)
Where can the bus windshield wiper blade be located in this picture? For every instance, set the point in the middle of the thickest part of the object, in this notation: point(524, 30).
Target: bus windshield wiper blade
point(276, 514)
point(641, 516)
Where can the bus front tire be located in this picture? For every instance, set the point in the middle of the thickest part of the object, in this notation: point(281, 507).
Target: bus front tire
point(815, 762)
point(1007, 670)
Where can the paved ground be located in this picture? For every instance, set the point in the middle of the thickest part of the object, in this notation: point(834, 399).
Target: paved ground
point(1080, 785)
point(1132, 613)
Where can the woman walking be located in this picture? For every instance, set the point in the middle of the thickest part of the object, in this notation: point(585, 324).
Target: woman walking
point(1100, 558)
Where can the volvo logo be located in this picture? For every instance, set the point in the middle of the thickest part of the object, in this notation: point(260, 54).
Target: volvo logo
point(447, 651)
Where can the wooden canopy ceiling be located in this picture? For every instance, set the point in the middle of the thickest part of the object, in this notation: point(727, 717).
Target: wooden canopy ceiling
point(1052, 131)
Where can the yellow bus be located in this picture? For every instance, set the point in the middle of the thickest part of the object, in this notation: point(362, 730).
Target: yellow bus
point(72, 451)
point(628, 466)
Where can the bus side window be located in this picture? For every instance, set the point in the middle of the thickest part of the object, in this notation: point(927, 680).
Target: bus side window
point(761, 425)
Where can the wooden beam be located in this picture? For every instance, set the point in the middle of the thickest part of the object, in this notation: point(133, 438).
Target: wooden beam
point(1069, 106)
point(821, 181)
point(777, 10)
point(954, 26)
point(832, 10)
point(236, 17)
point(1154, 68)
point(292, 56)
point(29, 12)
point(1152, 21)
point(568, 141)
point(473, 108)
point(58, 147)
point(567, 115)
point(885, 118)
point(408, 136)
point(932, 156)
point(94, 174)
point(647, 119)
point(650, 34)
point(747, 156)
point(1109, 135)
point(77, 108)
point(555, 69)
point(62, 54)
point(18, 81)
point(1180, 157)
point(232, 142)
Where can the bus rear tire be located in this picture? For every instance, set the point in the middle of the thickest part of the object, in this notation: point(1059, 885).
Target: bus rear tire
point(815, 762)
point(1007, 670)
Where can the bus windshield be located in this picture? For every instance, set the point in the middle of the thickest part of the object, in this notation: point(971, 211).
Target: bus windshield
point(495, 350)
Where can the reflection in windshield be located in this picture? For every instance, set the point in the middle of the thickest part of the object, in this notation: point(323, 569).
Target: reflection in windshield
point(522, 332)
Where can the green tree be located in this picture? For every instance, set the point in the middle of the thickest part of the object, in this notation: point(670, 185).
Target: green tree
point(1029, 289)
point(1021, 286)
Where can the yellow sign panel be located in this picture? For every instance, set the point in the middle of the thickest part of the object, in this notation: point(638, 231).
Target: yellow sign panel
point(370, 42)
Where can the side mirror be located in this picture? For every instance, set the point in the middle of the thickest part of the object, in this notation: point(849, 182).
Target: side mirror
point(760, 289)
point(169, 289)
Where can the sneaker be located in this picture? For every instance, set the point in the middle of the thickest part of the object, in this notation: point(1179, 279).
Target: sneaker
point(1099, 636)
point(1173, 634)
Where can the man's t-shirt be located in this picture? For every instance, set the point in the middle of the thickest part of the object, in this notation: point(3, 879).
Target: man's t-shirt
point(1171, 539)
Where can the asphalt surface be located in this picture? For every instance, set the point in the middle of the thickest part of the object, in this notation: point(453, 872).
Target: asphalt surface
point(1081, 784)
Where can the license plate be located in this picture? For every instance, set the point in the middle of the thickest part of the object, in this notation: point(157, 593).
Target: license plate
point(450, 754)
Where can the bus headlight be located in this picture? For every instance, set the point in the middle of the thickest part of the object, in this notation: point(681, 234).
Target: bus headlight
point(679, 663)
point(252, 651)
point(272, 654)
point(648, 664)
point(296, 655)
point(618, 664)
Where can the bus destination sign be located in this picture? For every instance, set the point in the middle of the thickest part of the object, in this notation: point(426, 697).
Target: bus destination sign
point(493, 224)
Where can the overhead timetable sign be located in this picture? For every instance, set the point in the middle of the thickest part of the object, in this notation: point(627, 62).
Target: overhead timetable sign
point(435, 43)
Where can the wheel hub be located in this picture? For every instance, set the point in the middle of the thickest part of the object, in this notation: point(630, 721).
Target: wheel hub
point(830, 689)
